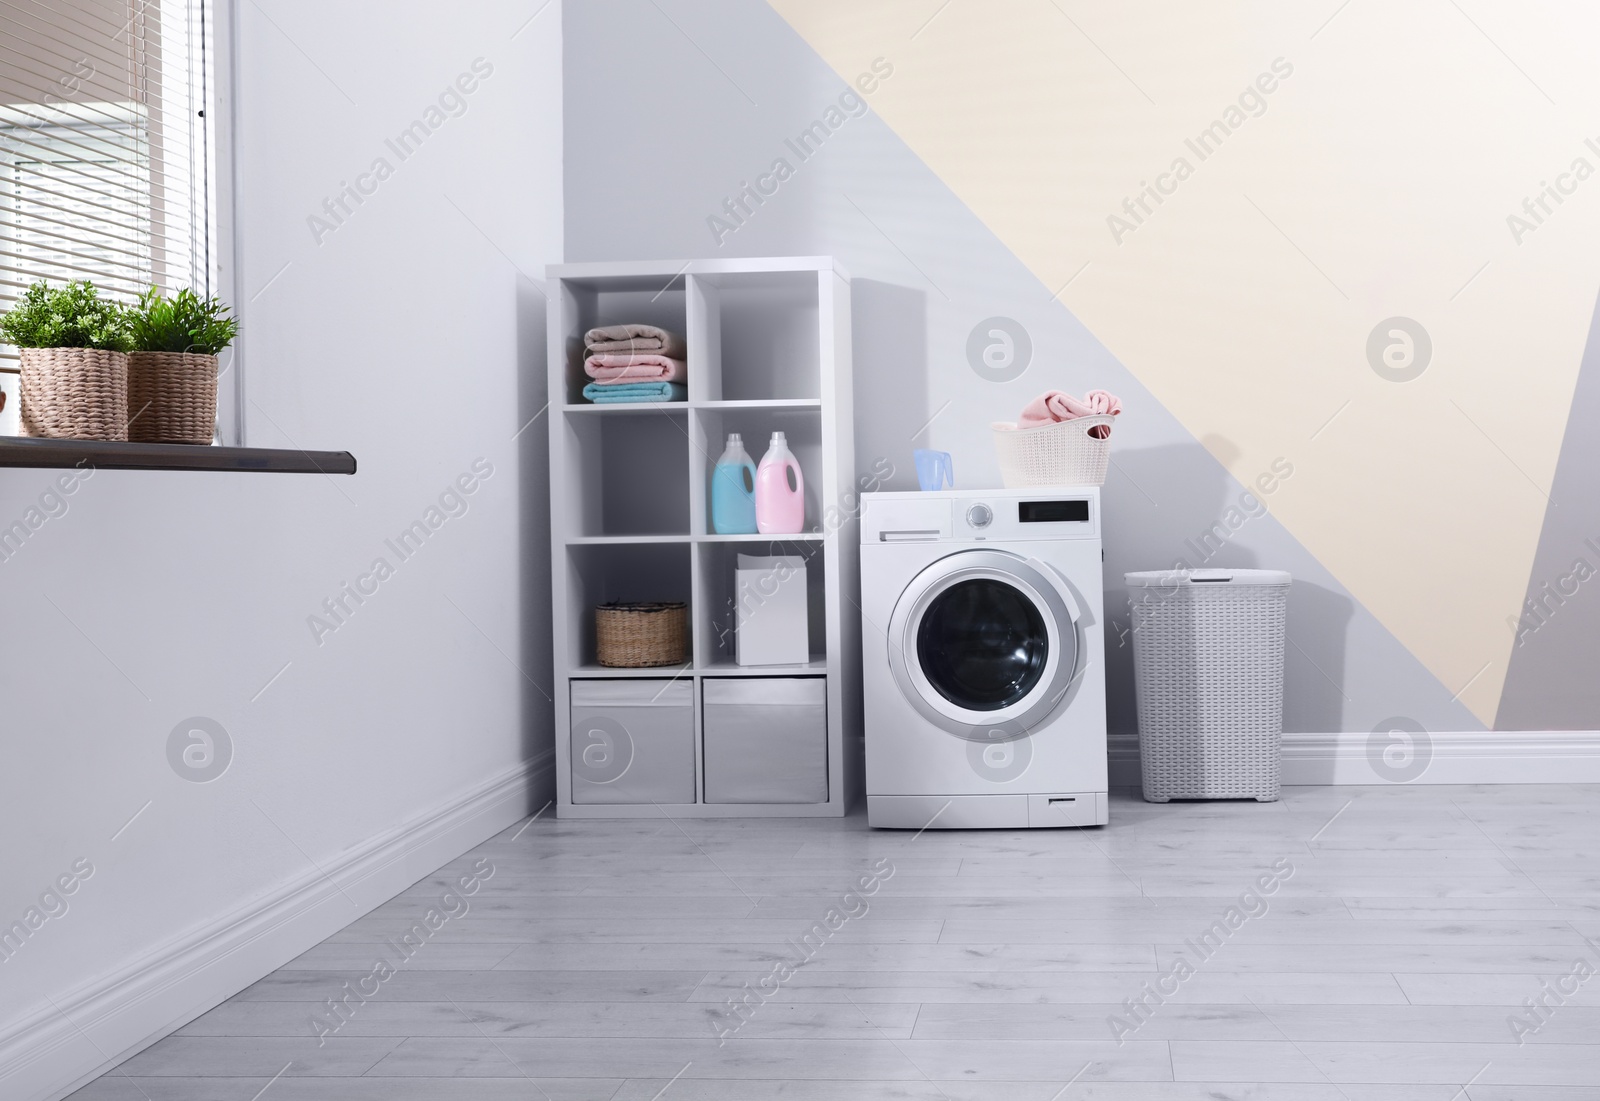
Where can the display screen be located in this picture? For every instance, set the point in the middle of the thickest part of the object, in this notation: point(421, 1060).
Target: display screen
point(1053, 512)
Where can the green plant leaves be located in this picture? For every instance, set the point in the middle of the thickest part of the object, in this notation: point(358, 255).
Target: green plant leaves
point(182, 323)
point(74, 316)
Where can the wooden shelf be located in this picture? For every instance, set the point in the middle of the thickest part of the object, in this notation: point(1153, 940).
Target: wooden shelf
point(21, 451)
point(650, 274)
point(767, 350)
point(798, 537)
point(680, 537)
point(659, 811)
point(817, 664)
point(624, 407)
point(762, 403)
point(670, 406)
point(648, 672)
point(625, 540)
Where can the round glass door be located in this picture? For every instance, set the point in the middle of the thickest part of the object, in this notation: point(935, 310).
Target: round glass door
point(982, 644)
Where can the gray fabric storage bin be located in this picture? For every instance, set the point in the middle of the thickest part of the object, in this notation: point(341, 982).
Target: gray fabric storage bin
point(766, 739)
point(632, 741)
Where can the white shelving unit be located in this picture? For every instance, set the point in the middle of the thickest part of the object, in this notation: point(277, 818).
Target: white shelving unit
point(768, 350)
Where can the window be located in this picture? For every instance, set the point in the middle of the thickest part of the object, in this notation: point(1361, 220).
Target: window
point(106, 155)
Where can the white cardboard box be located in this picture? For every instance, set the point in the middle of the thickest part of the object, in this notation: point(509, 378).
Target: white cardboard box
point(770, 612)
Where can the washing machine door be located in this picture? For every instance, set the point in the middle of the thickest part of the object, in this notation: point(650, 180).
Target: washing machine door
point(984, 643)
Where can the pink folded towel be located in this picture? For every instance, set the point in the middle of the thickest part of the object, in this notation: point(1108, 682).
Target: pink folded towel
point(613, 367)
point(1057, 405)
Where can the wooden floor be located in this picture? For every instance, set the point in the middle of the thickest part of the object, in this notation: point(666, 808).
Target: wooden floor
point(1405, 931)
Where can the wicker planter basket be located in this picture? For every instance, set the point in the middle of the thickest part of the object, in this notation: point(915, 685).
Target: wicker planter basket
point(172, 397)
point(632, 636)
point(74, 394)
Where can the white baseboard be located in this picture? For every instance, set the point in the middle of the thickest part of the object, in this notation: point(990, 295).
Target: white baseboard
point(1451, 757)
point(57, 1050)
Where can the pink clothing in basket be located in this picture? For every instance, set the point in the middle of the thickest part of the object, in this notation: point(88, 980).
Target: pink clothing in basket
point(1057, 405)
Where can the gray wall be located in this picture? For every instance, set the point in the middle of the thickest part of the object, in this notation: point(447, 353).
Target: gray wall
point(410, 336)
point(690, 110)
point(1551, 684)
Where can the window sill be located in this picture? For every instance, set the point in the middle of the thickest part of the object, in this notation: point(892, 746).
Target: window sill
point(19, 451)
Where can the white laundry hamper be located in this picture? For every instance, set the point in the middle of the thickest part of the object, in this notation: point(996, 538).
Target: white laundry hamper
point(1066, 453)
point(1208, 666)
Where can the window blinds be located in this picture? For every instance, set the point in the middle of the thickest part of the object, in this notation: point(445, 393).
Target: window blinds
point(104, 151)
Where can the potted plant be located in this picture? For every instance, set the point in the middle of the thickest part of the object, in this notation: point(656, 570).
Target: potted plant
point(172, 371)
point(74, 382)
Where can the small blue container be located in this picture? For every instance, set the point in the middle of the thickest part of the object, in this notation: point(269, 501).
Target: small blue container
point(935, 470)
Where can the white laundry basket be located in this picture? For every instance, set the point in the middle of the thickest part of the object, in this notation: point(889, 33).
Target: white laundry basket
point(1208, 666)
point(1066, 453)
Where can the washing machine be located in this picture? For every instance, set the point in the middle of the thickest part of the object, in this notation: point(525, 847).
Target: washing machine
point(983, 650)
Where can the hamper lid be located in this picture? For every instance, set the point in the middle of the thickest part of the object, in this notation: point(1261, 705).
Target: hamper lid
point(1169, 578)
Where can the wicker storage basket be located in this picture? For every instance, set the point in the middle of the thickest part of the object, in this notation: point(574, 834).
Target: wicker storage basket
point(1208, 667)
point(631, 636)
point(1060, 454)
point(74, 394)
point(172, 397)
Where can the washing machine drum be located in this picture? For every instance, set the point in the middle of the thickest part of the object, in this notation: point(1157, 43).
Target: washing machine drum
point(985, 643)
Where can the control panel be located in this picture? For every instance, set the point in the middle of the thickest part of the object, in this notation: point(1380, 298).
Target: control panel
point(997, 515)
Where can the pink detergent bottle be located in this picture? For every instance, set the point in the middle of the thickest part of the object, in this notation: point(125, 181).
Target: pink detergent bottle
point(780, 491)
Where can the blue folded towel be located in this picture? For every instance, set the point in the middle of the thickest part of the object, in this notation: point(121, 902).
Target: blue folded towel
point(617, 392)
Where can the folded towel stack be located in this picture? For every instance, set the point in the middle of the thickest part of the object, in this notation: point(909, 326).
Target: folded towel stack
point(634, 363)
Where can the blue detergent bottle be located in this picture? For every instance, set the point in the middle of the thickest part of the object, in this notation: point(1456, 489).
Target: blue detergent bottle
point(733, 491)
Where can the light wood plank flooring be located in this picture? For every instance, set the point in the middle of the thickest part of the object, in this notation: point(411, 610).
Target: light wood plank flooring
point(813, 960)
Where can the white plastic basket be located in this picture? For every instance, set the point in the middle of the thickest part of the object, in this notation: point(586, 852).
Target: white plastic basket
point(1208, 668)
point(1060, 454)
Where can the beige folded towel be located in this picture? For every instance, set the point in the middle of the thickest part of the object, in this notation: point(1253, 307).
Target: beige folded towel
point(635, 338)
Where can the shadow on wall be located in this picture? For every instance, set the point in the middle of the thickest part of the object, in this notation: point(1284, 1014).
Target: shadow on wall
point(1198, 497)
point(1137, 538)
point(1550, 683)
point(889, 349)
point(1313, 674)
point(533, 461)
